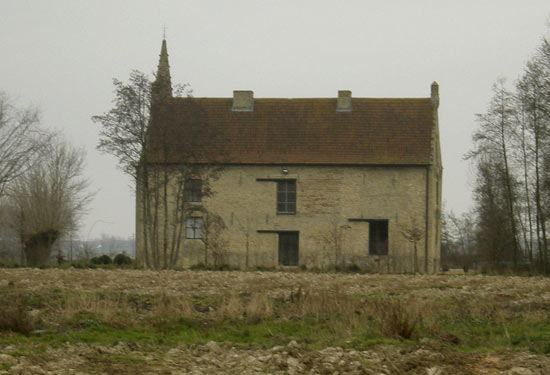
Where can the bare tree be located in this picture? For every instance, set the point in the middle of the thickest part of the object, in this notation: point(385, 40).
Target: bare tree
point(494, 237)
point(494, 137)
point(160, 185)
point(413, 233)
point(331, 253)
point(21, 143)
point(247, 227)
point(512, 188)
point(124, 126)
point(333, 239)
point(214, 244)
point(458, 246)
point(10, 246)
point(49, 198)
point(524, 158)
point(124, 135)
point(20, 140)
point(165, 207)
point(534, 97)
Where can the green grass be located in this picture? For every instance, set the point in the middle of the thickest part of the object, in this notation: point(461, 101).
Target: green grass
point(309, 331)
point(316, 320)
point(486, 335)
point(314, 331)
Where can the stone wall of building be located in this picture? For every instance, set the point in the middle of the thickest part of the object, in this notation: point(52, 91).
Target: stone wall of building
point(327, 198)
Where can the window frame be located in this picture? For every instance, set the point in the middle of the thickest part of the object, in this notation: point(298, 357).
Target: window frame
point(196, 230)
point(284, 196)
point(192, 190)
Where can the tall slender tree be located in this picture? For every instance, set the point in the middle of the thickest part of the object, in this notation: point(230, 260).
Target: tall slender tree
point(511, 148)
point(160, 185)
point(493, 138)
point(530, 89)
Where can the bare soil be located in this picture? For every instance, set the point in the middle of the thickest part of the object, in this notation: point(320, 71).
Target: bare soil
point(423, 356)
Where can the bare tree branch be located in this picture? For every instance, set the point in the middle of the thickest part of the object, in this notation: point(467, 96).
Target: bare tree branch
point(21, 140)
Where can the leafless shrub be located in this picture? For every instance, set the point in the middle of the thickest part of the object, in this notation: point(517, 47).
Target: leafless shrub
point(259, 306)
point(168, 310)
point(231, 307)
point(14, 316)
point(212, 237)
point(308, 301)
point(10, 244)
point(395, 318)
point(331, 249)
point(113, 310)
point(477, 309)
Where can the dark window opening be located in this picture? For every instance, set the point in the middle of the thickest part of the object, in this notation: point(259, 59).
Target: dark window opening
point(193, 228)
point(288, 249)
point(378, 237)
point(286, 196)
point(192, 190)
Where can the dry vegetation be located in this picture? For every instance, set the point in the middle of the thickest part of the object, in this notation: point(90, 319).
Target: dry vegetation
point(168, 322)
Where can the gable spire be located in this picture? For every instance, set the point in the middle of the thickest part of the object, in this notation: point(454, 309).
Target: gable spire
point(162, 86)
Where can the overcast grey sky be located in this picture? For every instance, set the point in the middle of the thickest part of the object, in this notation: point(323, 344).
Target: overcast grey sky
point(62, 55)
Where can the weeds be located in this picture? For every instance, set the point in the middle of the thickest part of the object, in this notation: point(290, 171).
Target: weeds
point(396, 319)
point(14, 316)
point(274, 308)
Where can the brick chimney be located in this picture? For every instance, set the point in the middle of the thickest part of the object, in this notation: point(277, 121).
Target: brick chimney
point(434, 95)
point(343, 103)
point(243, 101)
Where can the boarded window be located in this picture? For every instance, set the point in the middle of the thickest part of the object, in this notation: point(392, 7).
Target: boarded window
point(286, 196)
point(378, 237)
point(193, 227)
point(288, 249)
point(192, 190)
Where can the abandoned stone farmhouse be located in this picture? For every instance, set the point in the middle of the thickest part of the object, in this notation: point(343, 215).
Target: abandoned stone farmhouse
point(279, 182)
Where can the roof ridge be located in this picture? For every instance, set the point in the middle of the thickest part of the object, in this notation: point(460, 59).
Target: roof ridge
point(317, 98)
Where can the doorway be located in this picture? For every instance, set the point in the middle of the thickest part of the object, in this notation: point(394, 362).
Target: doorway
point(288, 249)
point(378, 237)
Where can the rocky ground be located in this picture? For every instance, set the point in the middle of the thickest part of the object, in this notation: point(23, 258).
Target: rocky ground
point(518, 290)
point(424, 356)
point(213, 358)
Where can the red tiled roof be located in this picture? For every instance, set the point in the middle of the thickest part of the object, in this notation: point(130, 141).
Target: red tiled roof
point(293, 131)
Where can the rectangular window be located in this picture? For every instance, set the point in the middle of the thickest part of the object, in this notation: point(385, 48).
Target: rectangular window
point(378, 237)
point(286, 196)
point(193, 227)
point(192, 190)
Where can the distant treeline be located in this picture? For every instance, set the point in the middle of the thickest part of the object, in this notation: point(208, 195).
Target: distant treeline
point(508, 227)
